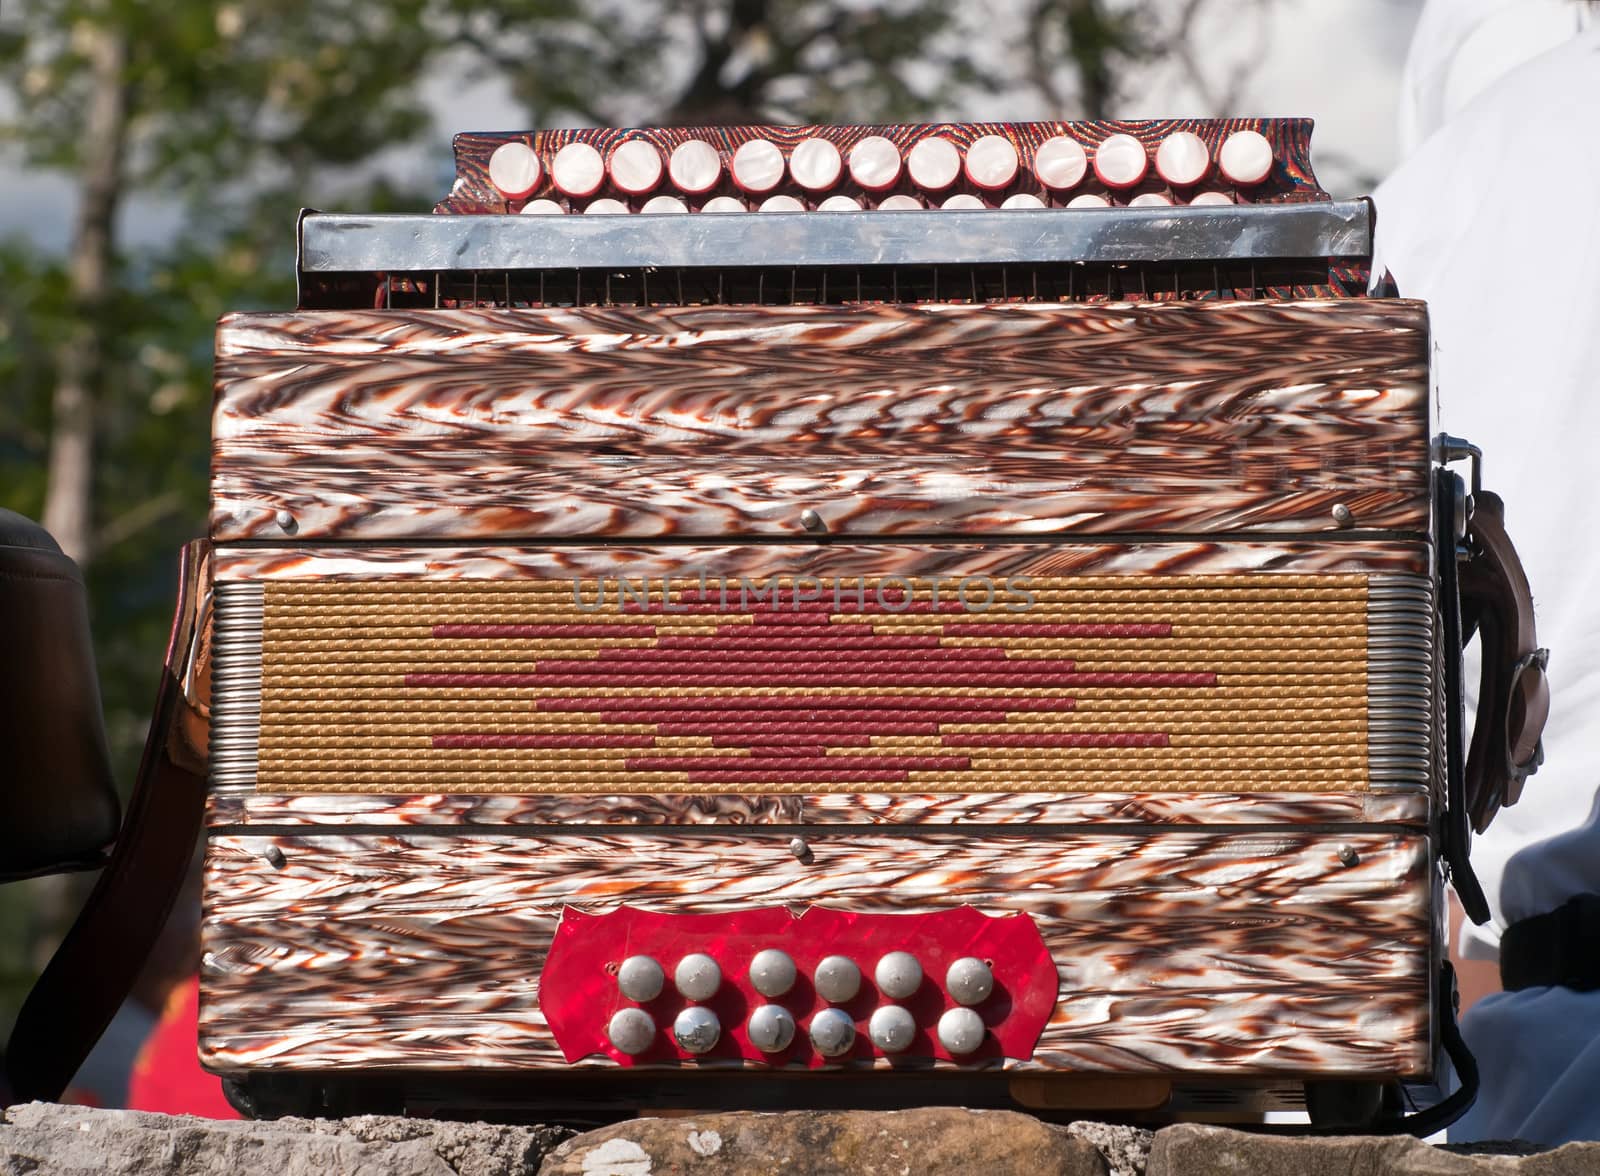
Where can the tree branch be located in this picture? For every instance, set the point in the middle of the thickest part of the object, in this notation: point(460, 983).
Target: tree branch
point(139, 518)
point(79, 361)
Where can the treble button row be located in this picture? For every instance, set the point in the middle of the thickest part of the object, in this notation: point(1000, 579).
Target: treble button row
point(771, 1028)
point(772, 973)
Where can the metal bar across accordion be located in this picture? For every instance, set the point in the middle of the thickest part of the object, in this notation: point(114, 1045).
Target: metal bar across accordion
point(346, 243)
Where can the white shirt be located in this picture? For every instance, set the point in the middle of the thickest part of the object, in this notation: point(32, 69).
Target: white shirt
point(1495, 221)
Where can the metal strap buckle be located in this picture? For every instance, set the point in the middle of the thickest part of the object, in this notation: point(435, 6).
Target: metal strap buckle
point(1448, 449)
point(1535, 760)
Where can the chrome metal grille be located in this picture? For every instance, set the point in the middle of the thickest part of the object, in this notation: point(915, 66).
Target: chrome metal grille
point(1400, 682)
point(236, 685)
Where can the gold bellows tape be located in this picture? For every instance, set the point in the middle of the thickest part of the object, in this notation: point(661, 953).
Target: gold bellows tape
point(1193, 683)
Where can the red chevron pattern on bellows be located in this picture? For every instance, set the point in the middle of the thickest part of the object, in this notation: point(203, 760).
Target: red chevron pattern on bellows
point(619, 684)
point(799, 738)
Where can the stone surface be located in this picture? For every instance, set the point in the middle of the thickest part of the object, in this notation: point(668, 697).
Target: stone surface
point(1126, 1149)
point(1192, 1150)
point(48, 1140)
point(928, 1142)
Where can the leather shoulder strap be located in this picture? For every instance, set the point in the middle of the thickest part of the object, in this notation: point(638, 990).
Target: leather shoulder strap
point(95, 967)
point(1513, 692)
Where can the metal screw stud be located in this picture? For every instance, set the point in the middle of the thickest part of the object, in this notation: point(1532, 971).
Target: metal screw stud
point(802, 851)
point(697, 976)
point(640, 978)
point(837, 979)
point(275, 857)
point(631, 1031)
point(286, 522)
point(969, 980)
point(960, 1031)
point(1342, 515)
point(898, 975)
point(772, 972)
point(812, 521)
point(832, 1032)
point(696, 1029)
point(892, 1028)
point(1348, 855)
point(771, 1028)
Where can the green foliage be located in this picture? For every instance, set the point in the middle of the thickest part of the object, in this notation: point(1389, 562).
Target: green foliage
point(35, 308)
point(220, 92)
point(748, 61)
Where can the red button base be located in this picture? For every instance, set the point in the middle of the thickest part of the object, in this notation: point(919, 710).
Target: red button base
point(578, 990)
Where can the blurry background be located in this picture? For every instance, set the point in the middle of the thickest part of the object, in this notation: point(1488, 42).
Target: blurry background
point(154, 153)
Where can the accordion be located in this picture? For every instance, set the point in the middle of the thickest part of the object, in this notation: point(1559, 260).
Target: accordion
point(890, 614)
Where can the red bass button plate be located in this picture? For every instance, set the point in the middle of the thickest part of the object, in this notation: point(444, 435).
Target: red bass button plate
point(578, 990)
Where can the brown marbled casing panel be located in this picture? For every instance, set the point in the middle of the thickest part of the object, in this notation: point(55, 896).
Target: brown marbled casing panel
point(1290, 180)
point(239, 564)
point(236, 810)
point(1170, 419)
point(1191, 952)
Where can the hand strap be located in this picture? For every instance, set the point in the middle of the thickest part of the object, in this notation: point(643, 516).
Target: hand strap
point(1513, 691)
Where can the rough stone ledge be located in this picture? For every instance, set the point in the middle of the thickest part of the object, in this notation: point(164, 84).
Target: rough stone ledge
point(45, 1140)
point(1193, 1150)
point(934, 1140)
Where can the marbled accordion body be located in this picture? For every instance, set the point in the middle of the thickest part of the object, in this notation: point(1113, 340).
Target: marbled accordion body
point(1111, 616)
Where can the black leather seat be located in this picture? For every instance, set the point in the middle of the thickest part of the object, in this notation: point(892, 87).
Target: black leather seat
point(58, 804)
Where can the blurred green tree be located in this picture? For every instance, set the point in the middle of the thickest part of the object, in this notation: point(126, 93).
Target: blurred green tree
point(688, 62)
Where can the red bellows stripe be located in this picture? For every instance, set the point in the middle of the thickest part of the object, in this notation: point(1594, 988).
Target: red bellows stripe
point(824, 598)
point(832, 731)
point(577, 741)
point(1016, 675)
point(778, 619)
point(819, 656)
point(767, 743)
point(869, 722)
point(793, 642)
point(1059, 739)
point(712, 706)
point(746, 638)
point(603, 630)
point(842, 763)
point(641, 661)
point(1023, 629)
point(749, 775)
point(825, 606)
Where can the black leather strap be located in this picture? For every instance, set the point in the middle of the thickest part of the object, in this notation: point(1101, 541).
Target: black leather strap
point(1456, 839)
point(1558, 949)
point(93, 970)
